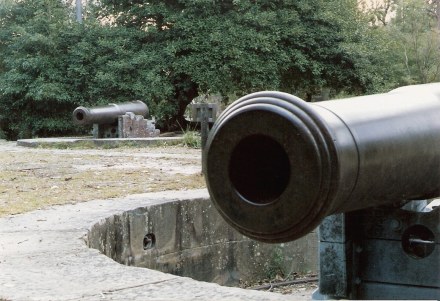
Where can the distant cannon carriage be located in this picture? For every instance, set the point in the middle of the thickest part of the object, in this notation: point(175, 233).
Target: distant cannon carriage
point(277, 167)
point(122, 120)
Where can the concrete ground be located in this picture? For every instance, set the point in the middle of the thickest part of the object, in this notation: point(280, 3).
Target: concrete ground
point(44, 256)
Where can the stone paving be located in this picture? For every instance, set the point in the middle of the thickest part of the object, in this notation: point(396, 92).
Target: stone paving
point(44, 256)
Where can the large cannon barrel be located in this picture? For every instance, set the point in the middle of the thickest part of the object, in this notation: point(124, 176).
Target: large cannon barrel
point(275, 165)
point(107, 114)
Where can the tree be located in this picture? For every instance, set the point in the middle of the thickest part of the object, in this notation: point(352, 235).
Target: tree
point(30, 81)
point(50, 64)
point(434, 10)
point(241, 46)
point(379, 12)
point(167, 53)
point(416, 28)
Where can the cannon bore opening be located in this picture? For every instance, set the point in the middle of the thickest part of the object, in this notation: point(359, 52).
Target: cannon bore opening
point(259, 169)
point(79, 116)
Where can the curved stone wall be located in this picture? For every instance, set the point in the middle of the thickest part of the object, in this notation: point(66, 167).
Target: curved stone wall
point(189, 238)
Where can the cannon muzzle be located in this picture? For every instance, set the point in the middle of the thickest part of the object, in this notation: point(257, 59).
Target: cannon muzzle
point(275, 166)
point(107, 114)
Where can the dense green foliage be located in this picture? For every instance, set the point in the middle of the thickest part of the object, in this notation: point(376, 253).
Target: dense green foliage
point(411, 28)
point(243, 46)
point(30, 81)
point(417, 28)
point(50, 65)
point(168, 52)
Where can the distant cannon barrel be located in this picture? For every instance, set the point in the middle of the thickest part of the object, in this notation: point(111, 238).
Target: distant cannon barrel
point(107, 114)
point(275, 166)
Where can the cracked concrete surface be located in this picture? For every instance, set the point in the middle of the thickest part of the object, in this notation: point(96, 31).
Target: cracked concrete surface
point(43, 256)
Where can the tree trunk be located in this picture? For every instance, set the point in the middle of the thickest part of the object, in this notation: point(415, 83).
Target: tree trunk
point(184, 97)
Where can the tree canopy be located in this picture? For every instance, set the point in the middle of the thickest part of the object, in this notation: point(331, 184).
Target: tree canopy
point(417, 27)
point(51, 64)
point(31, 81)
point(243, 46)
point(168, 52)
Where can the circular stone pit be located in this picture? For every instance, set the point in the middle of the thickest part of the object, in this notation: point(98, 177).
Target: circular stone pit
point(189, 238)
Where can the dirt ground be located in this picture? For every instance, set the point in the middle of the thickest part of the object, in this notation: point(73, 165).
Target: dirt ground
point(34, 178)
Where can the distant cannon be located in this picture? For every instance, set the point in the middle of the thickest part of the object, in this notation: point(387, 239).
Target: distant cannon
point(108, 114)
point(276, 167)
point(123, 120)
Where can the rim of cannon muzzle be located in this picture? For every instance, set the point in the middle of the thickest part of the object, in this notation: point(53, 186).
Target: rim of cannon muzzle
point(269, 158)
point(80, 116)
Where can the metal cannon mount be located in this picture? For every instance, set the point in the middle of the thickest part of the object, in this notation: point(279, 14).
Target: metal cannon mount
point(360, 168)
point(381, 253)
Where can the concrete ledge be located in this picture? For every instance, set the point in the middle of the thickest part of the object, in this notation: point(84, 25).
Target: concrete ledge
point(104, 142)
point(44, 256)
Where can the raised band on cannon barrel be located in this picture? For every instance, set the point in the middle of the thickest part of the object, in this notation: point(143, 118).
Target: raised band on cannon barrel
point(276, 166)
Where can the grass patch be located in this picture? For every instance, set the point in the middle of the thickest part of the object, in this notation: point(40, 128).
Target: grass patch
point(192, 139)
point(35, 178)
